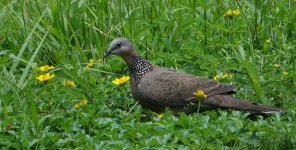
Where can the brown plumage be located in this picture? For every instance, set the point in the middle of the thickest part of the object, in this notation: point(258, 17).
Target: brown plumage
point(157, 88)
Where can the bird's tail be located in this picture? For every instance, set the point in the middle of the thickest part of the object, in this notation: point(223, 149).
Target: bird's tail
point(229, 102)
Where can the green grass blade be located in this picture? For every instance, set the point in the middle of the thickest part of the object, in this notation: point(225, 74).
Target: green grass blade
point(30, 63)
point(24, 46)
point(250, 68)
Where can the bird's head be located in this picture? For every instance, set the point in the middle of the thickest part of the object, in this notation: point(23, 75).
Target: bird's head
point(120, 46)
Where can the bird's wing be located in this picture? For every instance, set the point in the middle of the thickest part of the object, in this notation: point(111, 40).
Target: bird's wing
point(168, 87)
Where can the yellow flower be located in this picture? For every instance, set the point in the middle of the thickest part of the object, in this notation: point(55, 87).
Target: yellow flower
point(69, 83)
point(216, 77)
point(45, 68)
point(277, 65)
point(232, 12)
point(82, 102)
point(222, 76)
point(285, 73)
point(121, 80)
point(160, 115)
point(226, 76)
point(90, 64)
point(45, 77)
point(76, 106)
point(200, 93)
point(99, 60)
point(228, 13)
point(236, 12)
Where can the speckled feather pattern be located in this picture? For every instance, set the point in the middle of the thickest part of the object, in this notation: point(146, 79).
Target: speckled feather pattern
point(140, 67)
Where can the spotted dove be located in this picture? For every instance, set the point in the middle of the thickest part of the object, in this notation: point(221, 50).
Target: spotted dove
point(157, 88)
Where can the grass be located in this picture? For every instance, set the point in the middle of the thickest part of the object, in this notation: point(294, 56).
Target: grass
point(257, 47)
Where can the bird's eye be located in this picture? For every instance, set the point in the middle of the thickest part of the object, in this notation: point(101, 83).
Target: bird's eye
point(118, 44)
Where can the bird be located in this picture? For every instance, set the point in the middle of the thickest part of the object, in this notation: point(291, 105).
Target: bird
point(158, 88)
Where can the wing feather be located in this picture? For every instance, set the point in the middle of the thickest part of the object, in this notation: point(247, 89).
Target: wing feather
point(168, 87)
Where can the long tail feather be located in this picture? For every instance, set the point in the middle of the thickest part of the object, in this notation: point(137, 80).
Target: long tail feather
point(229, 102)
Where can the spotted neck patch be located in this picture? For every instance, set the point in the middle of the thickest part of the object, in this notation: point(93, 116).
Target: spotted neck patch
point(139, 67)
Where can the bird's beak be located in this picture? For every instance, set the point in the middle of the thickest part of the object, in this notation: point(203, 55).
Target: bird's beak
point(107, 54)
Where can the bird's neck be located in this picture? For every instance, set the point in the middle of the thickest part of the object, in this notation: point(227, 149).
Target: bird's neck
point(139, 67)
